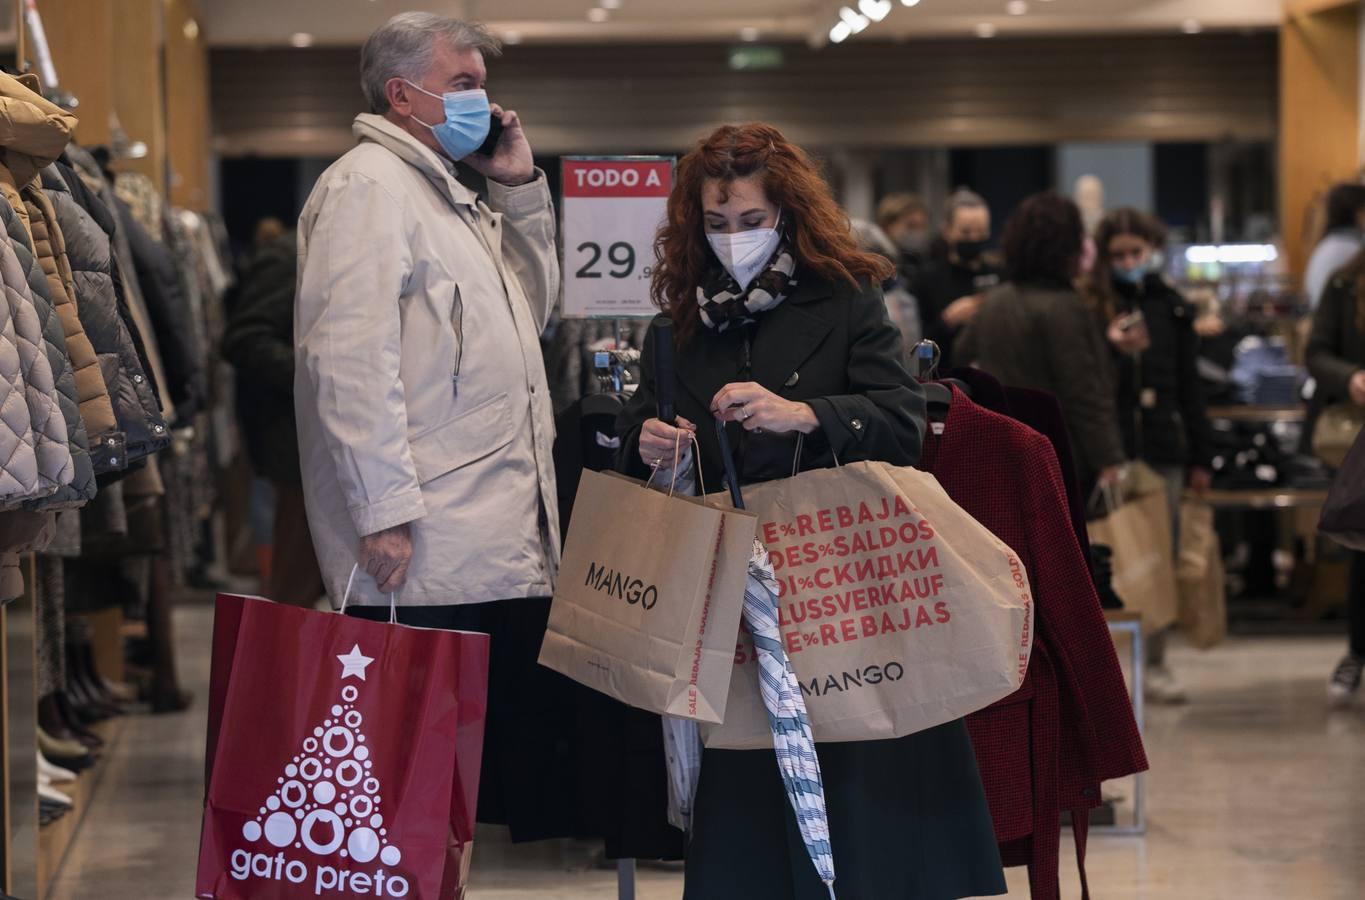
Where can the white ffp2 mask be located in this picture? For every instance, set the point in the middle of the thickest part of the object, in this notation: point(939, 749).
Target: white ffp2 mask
point(745, 253)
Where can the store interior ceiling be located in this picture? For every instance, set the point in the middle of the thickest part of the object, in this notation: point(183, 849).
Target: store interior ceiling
point(303, 23)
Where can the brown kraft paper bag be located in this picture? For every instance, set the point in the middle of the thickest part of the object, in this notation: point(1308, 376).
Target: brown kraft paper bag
point(898, 610)
point(1139, 532)
point(1202, 578)
point(649, 597)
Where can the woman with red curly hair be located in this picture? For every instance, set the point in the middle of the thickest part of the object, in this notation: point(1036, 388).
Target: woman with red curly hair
point(782, 332)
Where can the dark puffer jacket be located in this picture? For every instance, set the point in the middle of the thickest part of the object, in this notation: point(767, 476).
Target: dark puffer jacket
point(104, 316)
point(82, 487)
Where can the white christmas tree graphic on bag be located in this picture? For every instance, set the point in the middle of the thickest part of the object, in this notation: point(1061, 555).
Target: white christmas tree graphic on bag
point(327, 800)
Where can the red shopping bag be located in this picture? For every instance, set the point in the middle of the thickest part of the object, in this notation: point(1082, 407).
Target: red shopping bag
point(343, 756)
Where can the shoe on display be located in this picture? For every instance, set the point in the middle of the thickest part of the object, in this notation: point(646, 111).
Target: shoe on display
point(1162, 686)
point(50, 794)
point(53, 772)
point(53, 748)
point(1345, 682)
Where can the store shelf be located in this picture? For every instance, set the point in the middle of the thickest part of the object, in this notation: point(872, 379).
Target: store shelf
point(55, 839)
point(1264, 414)
point(1273, 498)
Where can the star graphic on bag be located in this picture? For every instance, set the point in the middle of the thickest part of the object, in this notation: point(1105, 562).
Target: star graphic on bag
point(354, 663)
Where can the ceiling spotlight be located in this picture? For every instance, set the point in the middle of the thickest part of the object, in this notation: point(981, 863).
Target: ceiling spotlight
point(1017, 7)
point(876, 10)
point(611, 4)
point(749, 35)
point(301, 39)
point(855, 21)
point(1191, 26)
point(511, 37)
point(985, 30)
point(190, 30)
point(909, 2)
point(839, 33)
point(598, 14)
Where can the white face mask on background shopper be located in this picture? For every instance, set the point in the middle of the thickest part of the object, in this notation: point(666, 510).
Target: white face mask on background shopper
point(745, 253)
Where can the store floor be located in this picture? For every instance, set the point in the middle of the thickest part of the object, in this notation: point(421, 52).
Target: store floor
point(1258, 792)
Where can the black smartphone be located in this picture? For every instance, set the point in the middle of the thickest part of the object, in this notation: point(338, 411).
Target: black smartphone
point(490, 146)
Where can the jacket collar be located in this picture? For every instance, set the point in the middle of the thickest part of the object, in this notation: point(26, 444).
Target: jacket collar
point(33, 131)
point(439, 171)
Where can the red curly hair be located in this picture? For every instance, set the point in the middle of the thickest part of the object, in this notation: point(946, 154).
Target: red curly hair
point(814, 225)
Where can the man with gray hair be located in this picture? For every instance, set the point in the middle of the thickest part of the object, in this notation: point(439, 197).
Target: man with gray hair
point(424, 418)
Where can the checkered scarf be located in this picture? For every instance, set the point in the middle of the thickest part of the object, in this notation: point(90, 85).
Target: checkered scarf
point(792, 738)
point(724, 304)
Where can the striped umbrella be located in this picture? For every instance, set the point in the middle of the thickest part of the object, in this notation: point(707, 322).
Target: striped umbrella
point(792, 738)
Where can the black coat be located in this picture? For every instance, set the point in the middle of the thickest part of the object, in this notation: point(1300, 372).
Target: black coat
point(829, 345)
point(1336, 347)
point(1162, 410)
point(938, 283)
point(259, 343)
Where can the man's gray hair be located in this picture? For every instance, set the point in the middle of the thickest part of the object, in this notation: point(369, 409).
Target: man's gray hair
point(963, 198)
point(403, 47)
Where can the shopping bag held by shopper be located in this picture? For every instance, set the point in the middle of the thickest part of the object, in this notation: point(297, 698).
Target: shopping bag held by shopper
point(649, 596)
point(1201, 577)
point(343, 755)
point(1137, 526)
point(898, 610)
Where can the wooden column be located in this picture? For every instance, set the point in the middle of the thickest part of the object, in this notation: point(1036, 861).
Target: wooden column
point(187, 106)
point(1319, 113)
point(80, 33)
point(139, 97)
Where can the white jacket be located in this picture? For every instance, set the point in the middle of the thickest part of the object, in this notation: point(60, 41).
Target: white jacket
point(397, 261)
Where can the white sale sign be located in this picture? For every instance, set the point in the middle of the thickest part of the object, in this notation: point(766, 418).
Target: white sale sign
point(612, 209)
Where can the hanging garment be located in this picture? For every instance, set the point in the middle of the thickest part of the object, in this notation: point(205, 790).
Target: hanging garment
point(37, 133)
point(102, 310)
point(82, 485)
point(172, 324)
point(1007, 476)
point(52, 449)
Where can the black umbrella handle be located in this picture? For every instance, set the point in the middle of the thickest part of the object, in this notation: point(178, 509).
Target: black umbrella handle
point(731, 476)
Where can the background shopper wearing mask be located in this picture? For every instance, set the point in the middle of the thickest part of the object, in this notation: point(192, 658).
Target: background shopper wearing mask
point(781, 332)
point(1035, 332)
point(904, 218)
point(1343, 238)
point(1160, 396)
point(424, 417)
point(1336, 358)
point(950, 289)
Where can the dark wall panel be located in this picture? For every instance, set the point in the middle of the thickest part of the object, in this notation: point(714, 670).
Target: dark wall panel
point(578, 99)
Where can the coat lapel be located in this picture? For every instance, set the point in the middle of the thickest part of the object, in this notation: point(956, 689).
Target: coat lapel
point(792, 334)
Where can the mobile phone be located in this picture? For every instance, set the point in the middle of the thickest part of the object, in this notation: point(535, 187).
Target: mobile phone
point(490, 146)
point(1131, 321)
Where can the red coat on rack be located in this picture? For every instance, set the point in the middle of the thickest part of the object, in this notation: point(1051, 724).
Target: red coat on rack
point(1070, 727)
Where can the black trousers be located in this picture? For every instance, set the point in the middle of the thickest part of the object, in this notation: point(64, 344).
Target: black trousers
point(529, 777)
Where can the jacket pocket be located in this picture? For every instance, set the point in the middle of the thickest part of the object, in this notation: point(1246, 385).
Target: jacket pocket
point(465, 439)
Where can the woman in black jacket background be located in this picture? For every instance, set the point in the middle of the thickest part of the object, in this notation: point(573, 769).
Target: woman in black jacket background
point(1160, 398)
point(1336, 359)
point(782, 331)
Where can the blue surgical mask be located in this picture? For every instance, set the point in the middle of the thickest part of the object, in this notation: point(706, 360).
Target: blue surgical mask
point(1136, 275)
point(467, 121)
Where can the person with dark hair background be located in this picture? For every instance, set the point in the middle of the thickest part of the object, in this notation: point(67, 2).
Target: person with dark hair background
point(1155, 352)
point(1035, 332)
point(782, 332)
point(1342, 240)
point(951, 288)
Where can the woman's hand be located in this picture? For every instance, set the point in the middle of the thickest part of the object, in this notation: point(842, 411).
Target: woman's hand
point(659, 441)
point(1358, 388)
point(759, 409)
point(1134, 340)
